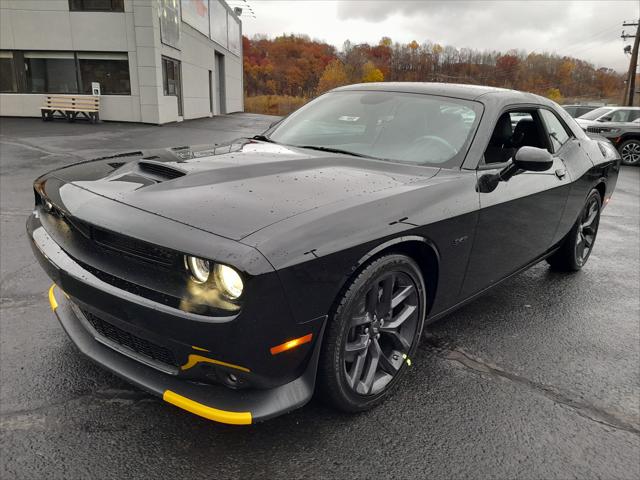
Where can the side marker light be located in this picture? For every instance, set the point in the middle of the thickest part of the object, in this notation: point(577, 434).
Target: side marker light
point(296, 342)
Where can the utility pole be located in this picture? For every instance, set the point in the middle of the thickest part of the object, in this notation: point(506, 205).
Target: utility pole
point(630, 88)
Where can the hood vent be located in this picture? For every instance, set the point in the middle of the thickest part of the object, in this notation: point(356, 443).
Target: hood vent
point(160, 170)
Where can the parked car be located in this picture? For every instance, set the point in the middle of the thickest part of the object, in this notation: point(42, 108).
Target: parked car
point(621, 125)
point(236, 280)
point(578, 110)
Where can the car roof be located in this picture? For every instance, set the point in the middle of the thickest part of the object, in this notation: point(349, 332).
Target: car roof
point(618, 107)
point(455, 90)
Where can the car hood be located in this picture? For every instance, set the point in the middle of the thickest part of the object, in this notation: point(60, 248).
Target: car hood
point(236, 189)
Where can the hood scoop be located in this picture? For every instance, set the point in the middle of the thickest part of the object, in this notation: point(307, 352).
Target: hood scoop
point(160, 171)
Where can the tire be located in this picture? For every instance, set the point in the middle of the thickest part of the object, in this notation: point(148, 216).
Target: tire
point(630, 152)
point(578, 244)
point(369, 343)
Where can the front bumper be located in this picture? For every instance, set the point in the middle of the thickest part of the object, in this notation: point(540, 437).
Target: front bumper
point(271, 387)
point(217, 403)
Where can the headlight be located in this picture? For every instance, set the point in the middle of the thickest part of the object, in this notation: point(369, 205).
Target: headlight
point(229, 281)
point(199, 268)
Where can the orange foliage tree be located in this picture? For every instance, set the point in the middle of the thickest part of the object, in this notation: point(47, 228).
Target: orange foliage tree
point(295, 65)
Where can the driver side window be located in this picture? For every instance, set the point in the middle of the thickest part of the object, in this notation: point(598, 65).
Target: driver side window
point(514, 129)
point(558, 134)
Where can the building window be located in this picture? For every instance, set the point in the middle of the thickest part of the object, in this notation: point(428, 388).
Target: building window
point(50, 72)
point(171, 76)
point(170, 22)
point(64, 72)
point(7, 73)
point(234, 35)
point(110, 70)
point(96, 5)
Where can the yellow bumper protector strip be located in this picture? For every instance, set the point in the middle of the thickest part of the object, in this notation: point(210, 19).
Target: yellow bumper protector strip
point(193, 360)
point(199, 348)
point(210, 413)
point(52, 298)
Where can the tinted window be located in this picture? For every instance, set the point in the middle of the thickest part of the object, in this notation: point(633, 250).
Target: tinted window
point(97, 5)
point(111, 70)
point(598, 112)
point(421, 129)
point(7, 75)
point(624, 115)
point(583, 110)
point(514, 129)
point(171, 76)
point(557, 133)
point(50, 72)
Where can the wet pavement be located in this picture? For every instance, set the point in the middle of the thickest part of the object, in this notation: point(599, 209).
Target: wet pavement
point(540, 378)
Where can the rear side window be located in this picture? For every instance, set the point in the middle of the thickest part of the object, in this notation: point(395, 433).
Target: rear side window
point(558, 134)
point(626, 115)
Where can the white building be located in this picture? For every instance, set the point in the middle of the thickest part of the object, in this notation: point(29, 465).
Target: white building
point(156, 61)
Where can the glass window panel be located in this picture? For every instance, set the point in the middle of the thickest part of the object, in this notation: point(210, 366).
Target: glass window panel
point(50, 72)
point(171, 76)
point(7, 73)
point(196, 14)
point(218, 21)
point(234, 35)
point(110, 70)
point(96, 5)
point(557, 133)
point(170, 22)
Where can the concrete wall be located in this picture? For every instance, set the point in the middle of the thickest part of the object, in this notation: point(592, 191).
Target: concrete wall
point(49, 25)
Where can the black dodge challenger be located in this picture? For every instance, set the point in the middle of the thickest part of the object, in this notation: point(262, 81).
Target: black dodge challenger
point(234, 280)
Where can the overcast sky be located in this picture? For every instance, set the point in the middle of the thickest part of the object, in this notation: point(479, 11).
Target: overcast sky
point(589, 30)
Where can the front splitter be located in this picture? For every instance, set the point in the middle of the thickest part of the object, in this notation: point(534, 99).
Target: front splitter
point(213, 402)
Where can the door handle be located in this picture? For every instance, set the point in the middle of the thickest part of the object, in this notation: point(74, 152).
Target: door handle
point(561, 173)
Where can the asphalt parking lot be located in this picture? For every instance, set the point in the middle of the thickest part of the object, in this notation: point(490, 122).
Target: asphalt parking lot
point(538, 379)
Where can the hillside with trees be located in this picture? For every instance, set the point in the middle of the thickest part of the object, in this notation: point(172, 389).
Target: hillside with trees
point(283, 73)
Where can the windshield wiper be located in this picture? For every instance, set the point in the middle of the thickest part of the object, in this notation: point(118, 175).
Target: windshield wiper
point(263, 138)
point(333, 150)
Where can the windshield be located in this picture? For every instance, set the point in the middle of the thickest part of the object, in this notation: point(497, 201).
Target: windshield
point(598, 112)
point(405, 127)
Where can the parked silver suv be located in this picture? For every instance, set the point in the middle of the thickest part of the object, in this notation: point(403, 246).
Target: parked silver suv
point(621, 125)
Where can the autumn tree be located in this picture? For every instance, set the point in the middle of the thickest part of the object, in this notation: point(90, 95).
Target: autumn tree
point(334, 75)
point(554, 94)
point(371, 74)
point(298, 67)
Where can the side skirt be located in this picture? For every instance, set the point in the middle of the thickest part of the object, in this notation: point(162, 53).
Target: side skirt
point(430, 319)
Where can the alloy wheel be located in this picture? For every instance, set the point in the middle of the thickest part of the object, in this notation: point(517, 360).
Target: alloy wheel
point(381, 332)
point(631, 153)
point(587, 230)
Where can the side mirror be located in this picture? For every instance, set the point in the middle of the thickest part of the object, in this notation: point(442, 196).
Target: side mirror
point(533, 159)
point(526, 158)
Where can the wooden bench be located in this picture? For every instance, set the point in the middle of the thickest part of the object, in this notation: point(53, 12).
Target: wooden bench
point(69, 106)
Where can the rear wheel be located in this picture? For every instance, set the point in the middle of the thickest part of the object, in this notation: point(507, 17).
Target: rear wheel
point(630, 152)
point(578, 244)
point(374, 331)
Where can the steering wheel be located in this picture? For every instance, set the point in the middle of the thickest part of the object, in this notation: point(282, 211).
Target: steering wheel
point(445, 147)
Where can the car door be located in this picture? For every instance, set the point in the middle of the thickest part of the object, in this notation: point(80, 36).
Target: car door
point(517, 221)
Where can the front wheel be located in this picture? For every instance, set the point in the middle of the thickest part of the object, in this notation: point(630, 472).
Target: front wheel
point(372, 334)
point(578, 244)
point(630, 152)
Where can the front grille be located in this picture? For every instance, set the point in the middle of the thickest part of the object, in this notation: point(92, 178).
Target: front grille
point(595, 129)
point(131, 246)
point(130, 341)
